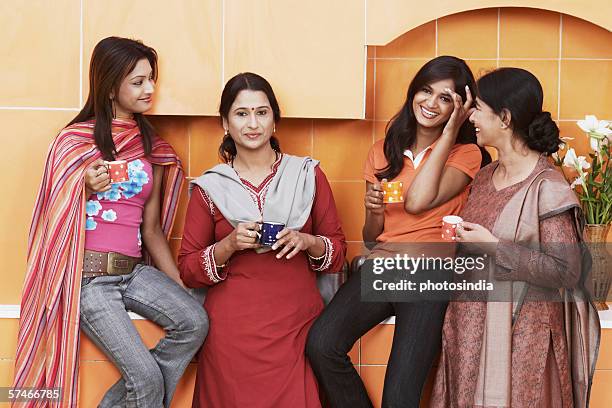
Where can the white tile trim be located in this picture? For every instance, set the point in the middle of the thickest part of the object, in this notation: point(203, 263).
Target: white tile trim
point(365, 81)
point(436, 49)
point(365, 58)
point(498, 35)
point(81, 55)
point(12, 312)
point(374, 95)
point(312, 136)
point(605, 318)
point(559, 66)
point(222, 44)
point(9, 311)
point(38, 108)
point(493, 59)
point(576, 120)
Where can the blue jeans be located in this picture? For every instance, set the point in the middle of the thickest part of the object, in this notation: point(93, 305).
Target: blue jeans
point(149, 377)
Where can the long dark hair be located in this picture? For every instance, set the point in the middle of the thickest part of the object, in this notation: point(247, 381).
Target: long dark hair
point(520, 92)
point(400, 132)
point(241, 82)
point(112, 60)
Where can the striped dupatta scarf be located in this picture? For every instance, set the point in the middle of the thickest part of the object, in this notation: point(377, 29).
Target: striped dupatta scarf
point(48, 342)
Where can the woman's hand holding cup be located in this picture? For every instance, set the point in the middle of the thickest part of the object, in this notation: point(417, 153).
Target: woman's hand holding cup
point(96, 177)
point(477, 238)
point(245, 236)
point(373, 199)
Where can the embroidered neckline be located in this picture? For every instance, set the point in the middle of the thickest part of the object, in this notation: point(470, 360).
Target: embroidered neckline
point(258, 194)
point(265, 181)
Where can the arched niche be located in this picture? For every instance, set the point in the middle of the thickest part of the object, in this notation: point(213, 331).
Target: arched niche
point(389, 19)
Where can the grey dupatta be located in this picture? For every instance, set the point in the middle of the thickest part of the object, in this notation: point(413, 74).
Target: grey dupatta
point(288, 200)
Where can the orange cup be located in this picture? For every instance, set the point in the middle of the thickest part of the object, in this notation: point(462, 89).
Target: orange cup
point(392, 192)
point(449, 227)
point(117, 171)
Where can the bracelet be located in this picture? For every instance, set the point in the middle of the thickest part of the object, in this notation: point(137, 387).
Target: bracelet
point(317, 258)
point(218, 267)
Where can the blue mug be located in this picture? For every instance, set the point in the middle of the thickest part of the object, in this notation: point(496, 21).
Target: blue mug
point(268, 232)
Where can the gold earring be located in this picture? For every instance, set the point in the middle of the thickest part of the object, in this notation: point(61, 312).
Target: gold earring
point(226, 133)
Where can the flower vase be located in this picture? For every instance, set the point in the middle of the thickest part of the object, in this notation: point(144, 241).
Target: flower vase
point(601, 271)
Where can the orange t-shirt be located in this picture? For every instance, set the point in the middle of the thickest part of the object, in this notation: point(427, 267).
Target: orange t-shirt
point(401, 226)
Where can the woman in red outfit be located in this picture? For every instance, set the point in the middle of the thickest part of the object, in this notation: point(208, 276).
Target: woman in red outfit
point(261, 301)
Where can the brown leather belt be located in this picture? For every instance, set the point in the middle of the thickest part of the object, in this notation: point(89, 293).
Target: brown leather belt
point(107, 263)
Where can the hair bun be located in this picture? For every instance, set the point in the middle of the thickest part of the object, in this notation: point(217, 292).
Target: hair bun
point(543, 134)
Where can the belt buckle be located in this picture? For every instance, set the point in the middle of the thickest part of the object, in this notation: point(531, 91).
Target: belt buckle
point(117, 266)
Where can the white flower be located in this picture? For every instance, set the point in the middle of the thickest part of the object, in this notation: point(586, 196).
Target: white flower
point(596, 130)
point(579, 181)
point(578, 162)
point(570, 157)
point(555, 156)
point(582, 163)
point(562, 146)
point(594, 144)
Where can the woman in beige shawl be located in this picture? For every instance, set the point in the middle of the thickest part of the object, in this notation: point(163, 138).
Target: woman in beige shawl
point(535, 343)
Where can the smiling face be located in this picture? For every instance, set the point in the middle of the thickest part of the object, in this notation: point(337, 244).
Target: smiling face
point(432, 105)
point(487, 123)
point(250, 120)
point(136, 91)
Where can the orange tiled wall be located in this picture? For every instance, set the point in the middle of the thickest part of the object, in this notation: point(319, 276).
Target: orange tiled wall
point(572, 59)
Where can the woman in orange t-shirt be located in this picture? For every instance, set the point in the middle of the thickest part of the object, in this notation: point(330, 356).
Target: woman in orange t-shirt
point(430, 147)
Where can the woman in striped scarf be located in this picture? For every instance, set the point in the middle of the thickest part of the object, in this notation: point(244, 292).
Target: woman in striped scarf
point(85, 245)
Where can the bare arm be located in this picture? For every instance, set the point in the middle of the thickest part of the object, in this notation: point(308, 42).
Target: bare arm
point(375, 212)
point(435, 184)
point(152, 234)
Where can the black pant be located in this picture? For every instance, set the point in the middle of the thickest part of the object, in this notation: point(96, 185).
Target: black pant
point(416, 342)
